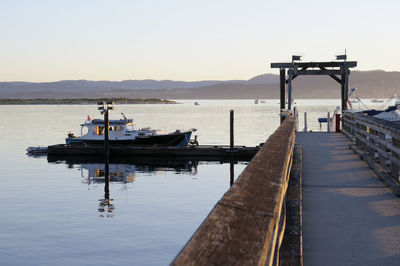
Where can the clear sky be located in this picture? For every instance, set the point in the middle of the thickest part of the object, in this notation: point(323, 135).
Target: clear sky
point(188, 39)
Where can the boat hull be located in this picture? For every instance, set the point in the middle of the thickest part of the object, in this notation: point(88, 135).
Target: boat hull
point(179, 139)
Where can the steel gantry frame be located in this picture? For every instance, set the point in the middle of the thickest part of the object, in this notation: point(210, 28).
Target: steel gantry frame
point(337, 70)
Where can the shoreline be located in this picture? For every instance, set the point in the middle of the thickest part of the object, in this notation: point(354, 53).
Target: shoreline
point(40, 101)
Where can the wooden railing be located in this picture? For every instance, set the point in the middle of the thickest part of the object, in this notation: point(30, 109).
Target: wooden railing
point(379, 141)
point(246, 226)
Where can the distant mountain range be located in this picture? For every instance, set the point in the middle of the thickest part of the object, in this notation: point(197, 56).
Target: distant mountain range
point(370, 84)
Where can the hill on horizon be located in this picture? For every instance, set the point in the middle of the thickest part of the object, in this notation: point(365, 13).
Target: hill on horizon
point(370, 84)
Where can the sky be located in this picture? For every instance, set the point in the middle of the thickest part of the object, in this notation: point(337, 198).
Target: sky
point(189, 40)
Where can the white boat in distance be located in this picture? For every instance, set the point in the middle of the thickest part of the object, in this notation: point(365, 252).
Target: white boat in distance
point(124, 132)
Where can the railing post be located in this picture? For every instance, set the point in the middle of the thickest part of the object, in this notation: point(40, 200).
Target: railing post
point(337, 123)
point(395, 166)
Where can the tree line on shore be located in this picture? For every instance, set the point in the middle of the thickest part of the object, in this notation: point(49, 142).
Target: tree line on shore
point(85, 101)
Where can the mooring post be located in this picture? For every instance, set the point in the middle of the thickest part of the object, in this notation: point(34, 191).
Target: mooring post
point(232, 168)
point(232, 144)
point(337, 123)
point(328, 122)
point(305, 122)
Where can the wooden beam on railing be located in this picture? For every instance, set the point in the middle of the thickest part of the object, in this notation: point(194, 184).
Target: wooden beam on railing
point(243, 227)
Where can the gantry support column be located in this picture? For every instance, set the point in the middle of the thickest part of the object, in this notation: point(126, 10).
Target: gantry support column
point(282, 90)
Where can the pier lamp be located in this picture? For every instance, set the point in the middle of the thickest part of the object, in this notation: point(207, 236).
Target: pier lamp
point(105, 106)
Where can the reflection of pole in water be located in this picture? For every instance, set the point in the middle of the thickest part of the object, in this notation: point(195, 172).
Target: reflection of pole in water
point(232, 172)
point(105, 107)
point(107, 181)
point(105, 204)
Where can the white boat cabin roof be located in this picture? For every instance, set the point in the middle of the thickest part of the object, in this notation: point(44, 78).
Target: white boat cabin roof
point(112, 122)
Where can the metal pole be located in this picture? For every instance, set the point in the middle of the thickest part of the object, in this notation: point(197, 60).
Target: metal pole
point(106, 140)
point(232, 145)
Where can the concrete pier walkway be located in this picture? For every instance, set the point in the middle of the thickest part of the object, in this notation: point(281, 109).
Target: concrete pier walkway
point(349, 216)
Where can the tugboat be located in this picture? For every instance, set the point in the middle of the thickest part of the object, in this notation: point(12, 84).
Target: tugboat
point(124, 132)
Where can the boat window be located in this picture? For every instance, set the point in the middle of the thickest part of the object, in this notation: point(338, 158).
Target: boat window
point(117, 128)
point(99, 130)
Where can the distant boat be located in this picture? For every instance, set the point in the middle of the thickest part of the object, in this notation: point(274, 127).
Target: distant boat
point(262, 101)
point(196, 103)
point(377, 101)
point(257, 101)
point(293, 102)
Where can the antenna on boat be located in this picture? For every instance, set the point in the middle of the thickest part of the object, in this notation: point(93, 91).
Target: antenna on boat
point(124, 116)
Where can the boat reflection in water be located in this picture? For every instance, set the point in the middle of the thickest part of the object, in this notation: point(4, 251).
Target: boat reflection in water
point(124, 171)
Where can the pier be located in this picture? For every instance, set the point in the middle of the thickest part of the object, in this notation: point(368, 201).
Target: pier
point(350, 217)
point(343, 214)
point(312, 198)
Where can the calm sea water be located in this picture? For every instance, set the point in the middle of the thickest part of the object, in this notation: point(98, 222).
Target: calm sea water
point(52, 212)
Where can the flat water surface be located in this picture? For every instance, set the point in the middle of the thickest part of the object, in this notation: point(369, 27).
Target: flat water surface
point(52, 212)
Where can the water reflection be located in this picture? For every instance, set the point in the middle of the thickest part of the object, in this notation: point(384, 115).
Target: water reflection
point(125, 171)
point(105, 205)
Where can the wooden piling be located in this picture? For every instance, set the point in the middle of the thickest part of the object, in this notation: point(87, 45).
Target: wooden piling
point(328, 122)
point(232, 144)
point(305, 122)
point(232, 172)
point(337, 123)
